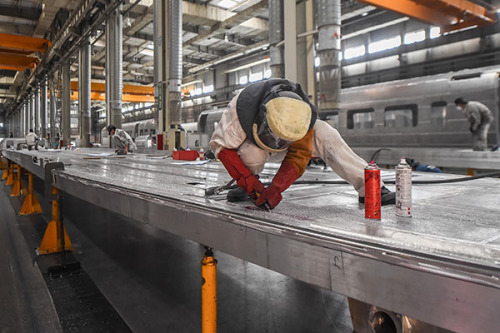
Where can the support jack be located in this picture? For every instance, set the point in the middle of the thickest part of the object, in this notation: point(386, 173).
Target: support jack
point(31, 205)
point(53, 241)
point(208, 292)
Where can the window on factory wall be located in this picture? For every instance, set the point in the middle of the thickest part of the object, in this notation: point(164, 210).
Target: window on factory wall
point(401, 115)
point(74, 123)
point(354, 52)
point(267, 73)
point(414, 37)
point(438, 113)
point(208, 89)
point(361, 118)
point(256, 76)
point(384, 44)
point(435, 32)
point(243, 79)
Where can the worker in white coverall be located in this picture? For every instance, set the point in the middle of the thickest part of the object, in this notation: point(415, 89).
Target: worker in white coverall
point(122, 141)
point(31, 139)
point(480, 119)
point(275, 118)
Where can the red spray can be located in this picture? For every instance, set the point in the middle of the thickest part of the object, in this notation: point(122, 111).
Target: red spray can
point(372, 191)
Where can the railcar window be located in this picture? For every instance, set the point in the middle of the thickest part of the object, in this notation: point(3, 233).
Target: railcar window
point(361, 118)
point(203, 123)
point(401, 115)
point(438, 113)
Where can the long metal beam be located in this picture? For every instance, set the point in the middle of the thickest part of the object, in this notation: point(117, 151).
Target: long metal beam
point(127, 98)
point(23, 44)
point(127, 88)
point(441, 267)
point(444, 13)
point(17, 62)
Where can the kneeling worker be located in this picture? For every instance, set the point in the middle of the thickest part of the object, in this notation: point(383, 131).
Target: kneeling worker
point(31, 140)
point(276, 118)
point(122, 141)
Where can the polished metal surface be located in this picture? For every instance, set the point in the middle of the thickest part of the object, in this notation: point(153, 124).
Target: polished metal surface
point(441, 266)
point(440, 157)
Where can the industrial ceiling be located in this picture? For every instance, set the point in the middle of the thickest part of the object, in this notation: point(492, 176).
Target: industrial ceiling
point(214, 31)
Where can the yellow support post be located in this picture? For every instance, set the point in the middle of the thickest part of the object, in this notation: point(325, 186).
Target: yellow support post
point(18, 187)
point(10, 179)
point(6, 171)
point(208, 292)
point(52, 241)
point(30, 204)
point(470, 172)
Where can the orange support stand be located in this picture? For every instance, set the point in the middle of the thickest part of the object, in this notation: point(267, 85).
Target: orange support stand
point(6, 171)
point(30, 204)
point(10, 178)
point(2, 166)
point(208, 292)
point(52, 241)
point(18, 187)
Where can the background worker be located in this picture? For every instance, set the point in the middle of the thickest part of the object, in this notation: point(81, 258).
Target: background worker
point(122, 141)
point(31, 139)
point(275, 118)
point(480, 118)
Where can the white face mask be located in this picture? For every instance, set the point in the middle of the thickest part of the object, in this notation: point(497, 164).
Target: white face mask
point(460, 108)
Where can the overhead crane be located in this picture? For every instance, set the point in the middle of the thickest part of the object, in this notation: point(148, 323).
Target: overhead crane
point(450, 15)
point(21, 52)
point(131, 93)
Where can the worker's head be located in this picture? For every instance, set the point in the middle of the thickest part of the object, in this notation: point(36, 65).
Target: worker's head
point(460, 103)
point(31, 130)
point(283, 119)
point(111, 129)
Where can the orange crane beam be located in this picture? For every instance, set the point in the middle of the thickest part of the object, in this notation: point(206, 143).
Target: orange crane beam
point(23, 44)
point(448, 14)
point(413, 9)
point(127, 89)
point(17, 62)
point(128, 98)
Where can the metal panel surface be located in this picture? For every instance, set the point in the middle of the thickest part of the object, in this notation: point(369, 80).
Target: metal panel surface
point(441, 266)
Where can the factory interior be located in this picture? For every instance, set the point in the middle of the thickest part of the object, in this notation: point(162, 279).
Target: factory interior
point(250, 166)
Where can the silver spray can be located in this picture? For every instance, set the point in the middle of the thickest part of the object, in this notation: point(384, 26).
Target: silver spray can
point(403, 189)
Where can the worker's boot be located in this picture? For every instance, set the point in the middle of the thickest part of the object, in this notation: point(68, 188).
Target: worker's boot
point(386, 197)
point(237, 195)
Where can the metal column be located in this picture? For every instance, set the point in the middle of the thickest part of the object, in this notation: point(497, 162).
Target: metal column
point(276, 36)
point(66, 104)
point(36, 127)
point(114, 68)
point(290, 17)
point(52, 111)
point(43, 108)
point(32, 113)
point(157, 40)
point(22, 122)
point(175, 73)
point(328, 22)
point(169, 113)
point(84, 96)
point(163, 116)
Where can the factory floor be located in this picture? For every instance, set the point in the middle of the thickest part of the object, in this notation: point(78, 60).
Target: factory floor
point(134, 277)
